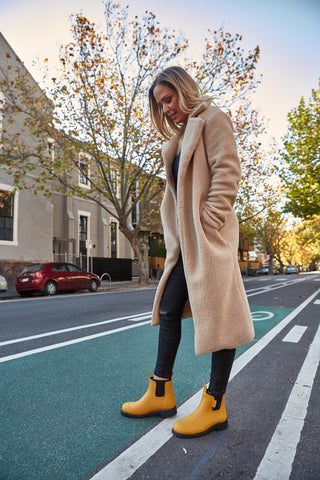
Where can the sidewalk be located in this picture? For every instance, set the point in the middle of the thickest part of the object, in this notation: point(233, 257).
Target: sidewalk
point(104, 287)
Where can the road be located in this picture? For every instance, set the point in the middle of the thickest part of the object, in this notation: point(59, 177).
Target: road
point(67, 363)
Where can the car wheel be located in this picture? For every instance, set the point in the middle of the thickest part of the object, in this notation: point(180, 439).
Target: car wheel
point(50, 288)
point(93, 285)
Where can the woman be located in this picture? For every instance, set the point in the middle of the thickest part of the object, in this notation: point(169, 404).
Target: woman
point(201, 277)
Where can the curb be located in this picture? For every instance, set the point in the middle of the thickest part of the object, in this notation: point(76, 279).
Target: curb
point(12, 294)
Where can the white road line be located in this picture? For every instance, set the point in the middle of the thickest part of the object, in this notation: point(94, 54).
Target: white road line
point(279, 456)
point(317, 302)
point(134, 318)
point(274, 286)
point(123, 466)
point(295, 334)
point(137, 318)
point(131, 318)
point(70, 342)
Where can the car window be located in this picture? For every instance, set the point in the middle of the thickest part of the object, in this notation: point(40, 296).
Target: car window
point(33, 268)
point(73, 268)
point(59, 267)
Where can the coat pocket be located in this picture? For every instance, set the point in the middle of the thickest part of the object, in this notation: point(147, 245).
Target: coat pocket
point(212, 216)
point(212, 234)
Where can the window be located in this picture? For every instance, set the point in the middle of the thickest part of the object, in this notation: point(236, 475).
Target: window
point(114, 180)
point(2, 105)
point(73, 268)
point(51, 148)
point(135, 208)
point(83, 234)
point(6, 215)
point(33, 268)
point(59, 267)
point(113, 239)
point(84, 174)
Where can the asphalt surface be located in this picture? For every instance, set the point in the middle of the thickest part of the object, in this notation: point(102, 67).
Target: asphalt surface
point(68, 362)
point(105, 286)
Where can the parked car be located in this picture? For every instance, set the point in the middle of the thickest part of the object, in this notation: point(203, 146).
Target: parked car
point(264, 270)
point(3, 284)
point(291, 269)
point(52, 277)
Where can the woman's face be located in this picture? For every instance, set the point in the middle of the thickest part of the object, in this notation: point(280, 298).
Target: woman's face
point(169, 100)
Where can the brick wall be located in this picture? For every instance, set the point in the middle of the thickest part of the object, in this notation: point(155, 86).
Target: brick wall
point(10, 269)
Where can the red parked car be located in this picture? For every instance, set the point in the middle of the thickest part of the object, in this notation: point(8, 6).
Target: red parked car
point(55, 276)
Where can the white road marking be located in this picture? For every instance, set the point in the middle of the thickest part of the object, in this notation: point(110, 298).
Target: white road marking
point(123, 466)
point(70, 342)
point(273, 286)
point(317, 302)
point(256, 291)
point(295, 334)
point(279, 456)
point(137, 318)
point(131, 318)
point(261, 315)
point(151, 287)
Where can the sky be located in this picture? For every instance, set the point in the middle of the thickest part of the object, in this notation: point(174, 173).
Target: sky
point(287, 32)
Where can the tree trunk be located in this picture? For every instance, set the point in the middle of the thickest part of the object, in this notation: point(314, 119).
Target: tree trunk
point(142, 255)
point(140, 249)
point(270, 264)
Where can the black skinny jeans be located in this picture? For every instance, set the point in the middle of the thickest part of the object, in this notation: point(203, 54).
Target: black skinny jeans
point(171, 307)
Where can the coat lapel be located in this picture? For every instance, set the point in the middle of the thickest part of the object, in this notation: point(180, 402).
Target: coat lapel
point(190, 141)
point(169, 151)
point(191, 138)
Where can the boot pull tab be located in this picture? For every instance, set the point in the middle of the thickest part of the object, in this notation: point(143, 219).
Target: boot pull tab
point(217, 404)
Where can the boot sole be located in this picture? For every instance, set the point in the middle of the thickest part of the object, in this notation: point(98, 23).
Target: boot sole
point(218, 426)
point(161, 413)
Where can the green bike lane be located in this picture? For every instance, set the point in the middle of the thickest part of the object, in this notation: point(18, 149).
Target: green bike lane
point(60, 409)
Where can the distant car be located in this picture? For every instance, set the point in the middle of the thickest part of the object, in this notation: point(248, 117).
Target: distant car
point(291, 269)
point(264, 270)
point(55, 276)
point(3, 284)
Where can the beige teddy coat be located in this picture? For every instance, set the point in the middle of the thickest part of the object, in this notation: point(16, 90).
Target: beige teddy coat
point(201, 223)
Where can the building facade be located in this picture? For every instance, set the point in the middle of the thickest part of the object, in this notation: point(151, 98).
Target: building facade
point(37, 228)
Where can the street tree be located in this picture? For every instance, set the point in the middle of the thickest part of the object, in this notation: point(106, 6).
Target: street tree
point(308, 239)
point(228, 74)
point(291, 249)
point(270, 230)
point(302, 156)
point(95, 117)
point(300, 244)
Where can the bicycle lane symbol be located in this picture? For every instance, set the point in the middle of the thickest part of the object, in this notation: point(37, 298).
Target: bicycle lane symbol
point(265, 318)
point(262, 315)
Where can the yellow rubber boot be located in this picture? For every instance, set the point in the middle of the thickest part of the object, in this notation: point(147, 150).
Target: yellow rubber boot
point(154, 402)
point(208, 416)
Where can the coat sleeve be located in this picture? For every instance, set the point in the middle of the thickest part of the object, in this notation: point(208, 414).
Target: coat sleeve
point(223, 160)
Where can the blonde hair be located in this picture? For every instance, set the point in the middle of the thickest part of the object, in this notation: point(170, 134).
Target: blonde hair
point(189, 95)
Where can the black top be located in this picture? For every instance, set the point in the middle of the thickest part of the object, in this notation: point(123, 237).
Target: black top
point(175, 169)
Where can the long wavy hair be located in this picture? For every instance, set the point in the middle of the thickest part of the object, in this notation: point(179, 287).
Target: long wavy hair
point(189, 95)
